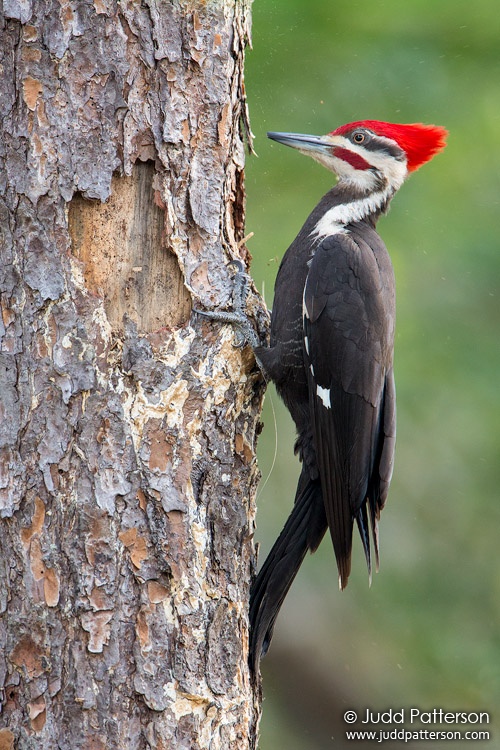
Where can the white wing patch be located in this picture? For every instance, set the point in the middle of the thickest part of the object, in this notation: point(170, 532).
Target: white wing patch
point(324, 395)
point(305, 312)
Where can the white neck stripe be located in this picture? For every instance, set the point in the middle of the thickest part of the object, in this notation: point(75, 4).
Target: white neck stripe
point(338, 217)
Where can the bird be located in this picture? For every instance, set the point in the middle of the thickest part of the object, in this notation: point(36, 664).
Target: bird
point(330, 353)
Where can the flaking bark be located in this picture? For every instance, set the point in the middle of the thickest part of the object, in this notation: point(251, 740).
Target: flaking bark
point(128, 425)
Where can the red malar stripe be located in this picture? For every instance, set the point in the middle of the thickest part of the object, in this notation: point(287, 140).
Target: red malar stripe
point(355, 160)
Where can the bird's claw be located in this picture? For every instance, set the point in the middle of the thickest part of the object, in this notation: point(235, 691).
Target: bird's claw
point(240, 266)
point(239, 339)
point(244, 332)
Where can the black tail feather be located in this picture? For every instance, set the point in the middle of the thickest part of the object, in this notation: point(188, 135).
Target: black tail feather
point(303, 531)
point(362, 521)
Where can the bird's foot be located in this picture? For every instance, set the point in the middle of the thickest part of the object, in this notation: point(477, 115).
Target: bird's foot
point(237, 317)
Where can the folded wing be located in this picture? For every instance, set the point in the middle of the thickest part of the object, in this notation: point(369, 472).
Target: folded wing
point(348, 345)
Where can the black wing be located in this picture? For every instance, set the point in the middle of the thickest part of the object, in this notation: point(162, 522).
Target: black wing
point(348, 341)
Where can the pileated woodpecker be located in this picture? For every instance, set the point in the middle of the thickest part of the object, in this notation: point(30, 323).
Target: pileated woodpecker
point(331, 352)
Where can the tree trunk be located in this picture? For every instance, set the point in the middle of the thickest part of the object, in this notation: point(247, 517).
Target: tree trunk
point(128, 424)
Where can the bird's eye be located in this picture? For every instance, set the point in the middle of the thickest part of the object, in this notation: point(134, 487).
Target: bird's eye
point(358, 137)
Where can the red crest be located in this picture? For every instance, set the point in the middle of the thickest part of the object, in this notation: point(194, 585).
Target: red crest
point(420, 142)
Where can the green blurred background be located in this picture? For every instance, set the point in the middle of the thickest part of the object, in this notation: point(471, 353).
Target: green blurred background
point(426, 634)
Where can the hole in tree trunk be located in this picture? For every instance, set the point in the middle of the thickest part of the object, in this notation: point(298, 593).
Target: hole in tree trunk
point(124, 250)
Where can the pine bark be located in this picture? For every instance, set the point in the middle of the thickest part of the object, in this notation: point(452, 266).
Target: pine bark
point(127, 422)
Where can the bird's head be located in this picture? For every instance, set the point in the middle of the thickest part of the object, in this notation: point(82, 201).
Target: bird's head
point(369, 154)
